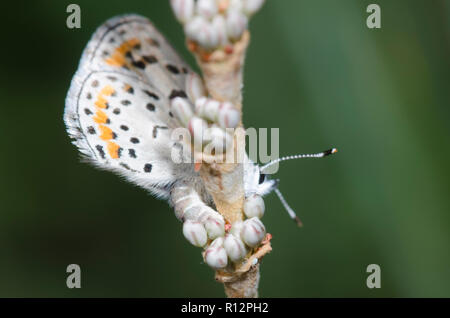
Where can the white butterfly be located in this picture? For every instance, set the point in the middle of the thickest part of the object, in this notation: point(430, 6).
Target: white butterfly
point(118, 113)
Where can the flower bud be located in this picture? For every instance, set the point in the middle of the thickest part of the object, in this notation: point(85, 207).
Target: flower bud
point(182, 110)
point(236, 228)
point(183, 9)
point(252, 6)
point(215, 255)
point(194, 87)
point(207, 8)
point(195, 233)
point(207, 108)
point(197, 127)
point(193, 27)
point(215, 226)
point(254, 206)
point(228, 116)
point(220, 26)
point(234, 247)
point(236, 24)
point(219, 141)
point(253, 232)
point(207, 36)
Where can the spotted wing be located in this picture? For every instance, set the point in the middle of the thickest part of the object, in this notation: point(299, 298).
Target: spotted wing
point(117, 109)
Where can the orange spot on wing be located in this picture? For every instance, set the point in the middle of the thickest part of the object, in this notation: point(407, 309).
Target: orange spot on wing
point(108, 90)
point(100, 102)
point(105, 132)
point(100, 117)
point(113, 149)
point(117, 58)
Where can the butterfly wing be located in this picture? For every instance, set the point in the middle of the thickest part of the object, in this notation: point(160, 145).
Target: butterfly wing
point(117, 108)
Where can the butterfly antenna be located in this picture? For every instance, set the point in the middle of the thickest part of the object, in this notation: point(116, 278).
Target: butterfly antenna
point(315, 155)
point(288, 208)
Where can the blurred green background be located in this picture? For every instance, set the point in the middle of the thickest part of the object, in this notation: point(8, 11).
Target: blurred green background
point(313, 69)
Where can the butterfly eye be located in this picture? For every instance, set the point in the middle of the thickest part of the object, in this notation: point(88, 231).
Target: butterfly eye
point(262, 177)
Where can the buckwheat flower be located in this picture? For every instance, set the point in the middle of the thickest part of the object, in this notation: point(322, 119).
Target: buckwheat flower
point(182, 110)
point(183, 9)
point(215, 255)
point(228, 116)
point(236, 228)
point(195, 233)
point(200, 30)
point(217, 139)
point(197, 127)
point(207, 36)
point(253, 232)
point(220, 26)
point(222, 112)
point(207, 108)
point(215, 226)
point(237, 23)
point(234, 247)
point(254, 206)
point(214, 24)
point(194, 87)
point(193, 27)
point(207, 8)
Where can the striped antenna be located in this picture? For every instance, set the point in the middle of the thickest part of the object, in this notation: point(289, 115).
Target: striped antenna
point(288, 208)
point(315, 155)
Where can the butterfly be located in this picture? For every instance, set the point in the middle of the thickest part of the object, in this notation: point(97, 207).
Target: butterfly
point(118, 113)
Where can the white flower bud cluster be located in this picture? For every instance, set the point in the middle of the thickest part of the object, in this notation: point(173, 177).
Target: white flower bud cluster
point(215, 23)
point(231, 245)
point(206, 118)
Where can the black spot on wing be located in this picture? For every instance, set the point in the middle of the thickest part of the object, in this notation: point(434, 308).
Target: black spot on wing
point(177, 93)
point(148, 168)
point(132, 153)
point(150, 59)
point(91, 130)
point(173, 69)
point(100, 151)
point(139, 64)
point(151, 107)
point(152, 95)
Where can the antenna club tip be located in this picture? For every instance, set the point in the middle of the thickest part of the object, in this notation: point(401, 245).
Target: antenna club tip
point(329, 152)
